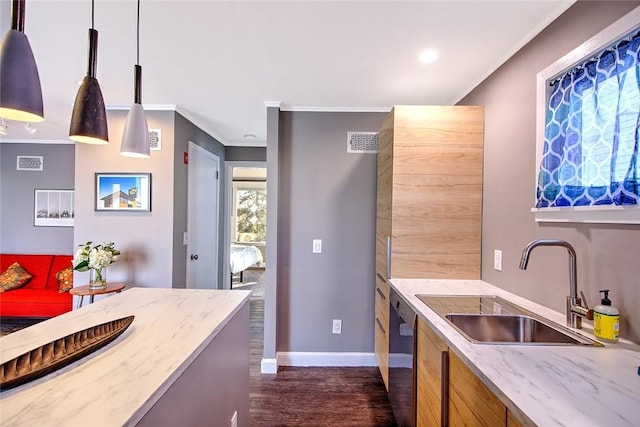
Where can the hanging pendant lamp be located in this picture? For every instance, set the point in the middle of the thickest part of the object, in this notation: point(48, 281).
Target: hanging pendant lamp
point(20, 91)
point(135, 137)
point(89, 117)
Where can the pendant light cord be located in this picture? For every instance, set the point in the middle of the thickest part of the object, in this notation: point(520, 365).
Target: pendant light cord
point(93, 6)
point(17, 15)
point(138, 36)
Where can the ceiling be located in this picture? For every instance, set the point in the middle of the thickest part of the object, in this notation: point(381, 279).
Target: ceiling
point(219, 63)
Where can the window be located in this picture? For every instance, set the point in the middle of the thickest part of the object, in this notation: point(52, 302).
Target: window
point(588, 166)
point(250, 201)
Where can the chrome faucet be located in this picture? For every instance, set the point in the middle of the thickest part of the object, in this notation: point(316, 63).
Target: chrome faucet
point(575, 310)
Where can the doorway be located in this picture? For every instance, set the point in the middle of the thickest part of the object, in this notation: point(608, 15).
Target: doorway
point(202, 218)
point(245, 224)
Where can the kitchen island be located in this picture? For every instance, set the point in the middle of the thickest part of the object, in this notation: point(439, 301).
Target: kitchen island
point(183, 361)
point(543, 385)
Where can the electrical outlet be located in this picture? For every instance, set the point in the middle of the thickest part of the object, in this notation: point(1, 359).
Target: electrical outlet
point(497, 260)
point(234, 419)
point(317, 246)
point(337, 326)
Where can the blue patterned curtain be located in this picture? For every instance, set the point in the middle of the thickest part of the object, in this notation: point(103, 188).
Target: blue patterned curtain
point(590, 153)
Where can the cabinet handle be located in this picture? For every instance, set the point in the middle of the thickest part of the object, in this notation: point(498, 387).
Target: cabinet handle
point(382, 295)
point(444, 388)
point(381, 277)
point(380, 325)
point(389, 257)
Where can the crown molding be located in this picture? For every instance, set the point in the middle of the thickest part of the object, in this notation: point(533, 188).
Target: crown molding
point(147, 107)
point(36, 141)
point(336, 109)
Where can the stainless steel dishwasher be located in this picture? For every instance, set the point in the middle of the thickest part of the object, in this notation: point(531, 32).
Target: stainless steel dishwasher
point(402, 363)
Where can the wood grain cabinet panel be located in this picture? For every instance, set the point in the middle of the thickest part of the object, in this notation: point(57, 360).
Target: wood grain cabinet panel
point(430, 192)
point(429, 199)
point(382, 328)
point(429, 376)
point(511, 420)
point(471, 403)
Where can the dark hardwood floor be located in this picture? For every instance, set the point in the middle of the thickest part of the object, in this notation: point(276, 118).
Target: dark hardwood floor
point(297, 396)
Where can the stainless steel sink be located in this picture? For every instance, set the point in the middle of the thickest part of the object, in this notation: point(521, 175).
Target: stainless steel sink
point(489, 319)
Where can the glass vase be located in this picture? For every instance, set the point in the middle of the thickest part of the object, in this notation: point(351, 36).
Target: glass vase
point(97, 278)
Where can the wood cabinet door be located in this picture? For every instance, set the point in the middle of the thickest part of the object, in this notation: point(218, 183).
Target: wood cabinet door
point(429, 376)
point(382, 328)
point(436, 197)
point(471, 403)
point(511, 421)
point(384, 195)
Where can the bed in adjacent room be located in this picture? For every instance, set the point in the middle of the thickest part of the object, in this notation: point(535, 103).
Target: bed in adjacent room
point(243, 257)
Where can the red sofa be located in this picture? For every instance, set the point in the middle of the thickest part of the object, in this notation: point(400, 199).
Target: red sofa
point(40, 296)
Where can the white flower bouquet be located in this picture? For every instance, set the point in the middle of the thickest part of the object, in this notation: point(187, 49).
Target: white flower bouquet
point(95, 258)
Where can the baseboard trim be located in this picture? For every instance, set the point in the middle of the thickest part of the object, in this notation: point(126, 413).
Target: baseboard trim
point(295, 358)
point(268, 366)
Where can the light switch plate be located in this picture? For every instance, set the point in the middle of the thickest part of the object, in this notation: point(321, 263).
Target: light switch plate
point(497, 260)
point(317, 246)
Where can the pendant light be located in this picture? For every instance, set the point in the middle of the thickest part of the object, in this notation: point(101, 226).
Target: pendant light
point(89, 117)
point(20, 91)
point(135, 137)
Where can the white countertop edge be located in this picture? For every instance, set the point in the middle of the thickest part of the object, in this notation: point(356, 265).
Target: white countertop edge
point(480, 358)
point(16, 401)
point(160, 391)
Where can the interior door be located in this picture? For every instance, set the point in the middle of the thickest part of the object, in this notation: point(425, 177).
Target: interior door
point(202, 218)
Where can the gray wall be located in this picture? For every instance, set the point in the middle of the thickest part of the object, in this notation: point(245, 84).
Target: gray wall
point(325, 193)
point(607, 254)
point(146, 251)
point(186, 131)
point(17, 232)
point(246, 154)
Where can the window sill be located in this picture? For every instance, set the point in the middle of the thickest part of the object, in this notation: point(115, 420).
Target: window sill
point(589, 214)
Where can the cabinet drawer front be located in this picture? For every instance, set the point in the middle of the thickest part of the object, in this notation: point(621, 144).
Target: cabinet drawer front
point(382, 349)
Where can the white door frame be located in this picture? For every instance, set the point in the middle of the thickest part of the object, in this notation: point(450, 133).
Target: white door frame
point(196, 150)
point(228, 176)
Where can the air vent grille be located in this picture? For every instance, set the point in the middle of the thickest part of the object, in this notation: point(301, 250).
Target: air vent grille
point(362, 142)
point(155, 139)
point(29, 163)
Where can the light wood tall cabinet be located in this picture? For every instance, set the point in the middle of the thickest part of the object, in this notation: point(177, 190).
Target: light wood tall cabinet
point(429, 201)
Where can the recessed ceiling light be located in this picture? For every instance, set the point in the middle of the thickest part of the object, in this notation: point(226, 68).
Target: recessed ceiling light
point(428, 56)
point(249, 136)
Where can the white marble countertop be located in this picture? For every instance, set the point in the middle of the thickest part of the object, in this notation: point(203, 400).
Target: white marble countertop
point(119, 383)
point(543, 385)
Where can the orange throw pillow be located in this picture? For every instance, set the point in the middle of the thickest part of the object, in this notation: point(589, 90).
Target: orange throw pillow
point(65, 279)
point(14, 277)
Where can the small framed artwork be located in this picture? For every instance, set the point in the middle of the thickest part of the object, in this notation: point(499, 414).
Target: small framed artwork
point(53, 208)
point(130, 192)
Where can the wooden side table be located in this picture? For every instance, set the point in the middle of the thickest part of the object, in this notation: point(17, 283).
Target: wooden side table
point(81, 291)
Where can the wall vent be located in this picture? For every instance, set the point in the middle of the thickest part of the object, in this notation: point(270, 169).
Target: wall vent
point(362, 142)
point(29, 163)
point(155, 139)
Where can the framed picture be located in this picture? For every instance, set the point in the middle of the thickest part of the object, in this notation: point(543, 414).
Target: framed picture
point(130, 192)
point(53, 208)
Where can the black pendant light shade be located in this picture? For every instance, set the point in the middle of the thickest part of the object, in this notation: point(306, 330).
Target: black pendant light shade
point(89, 117)
point(20, 91)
